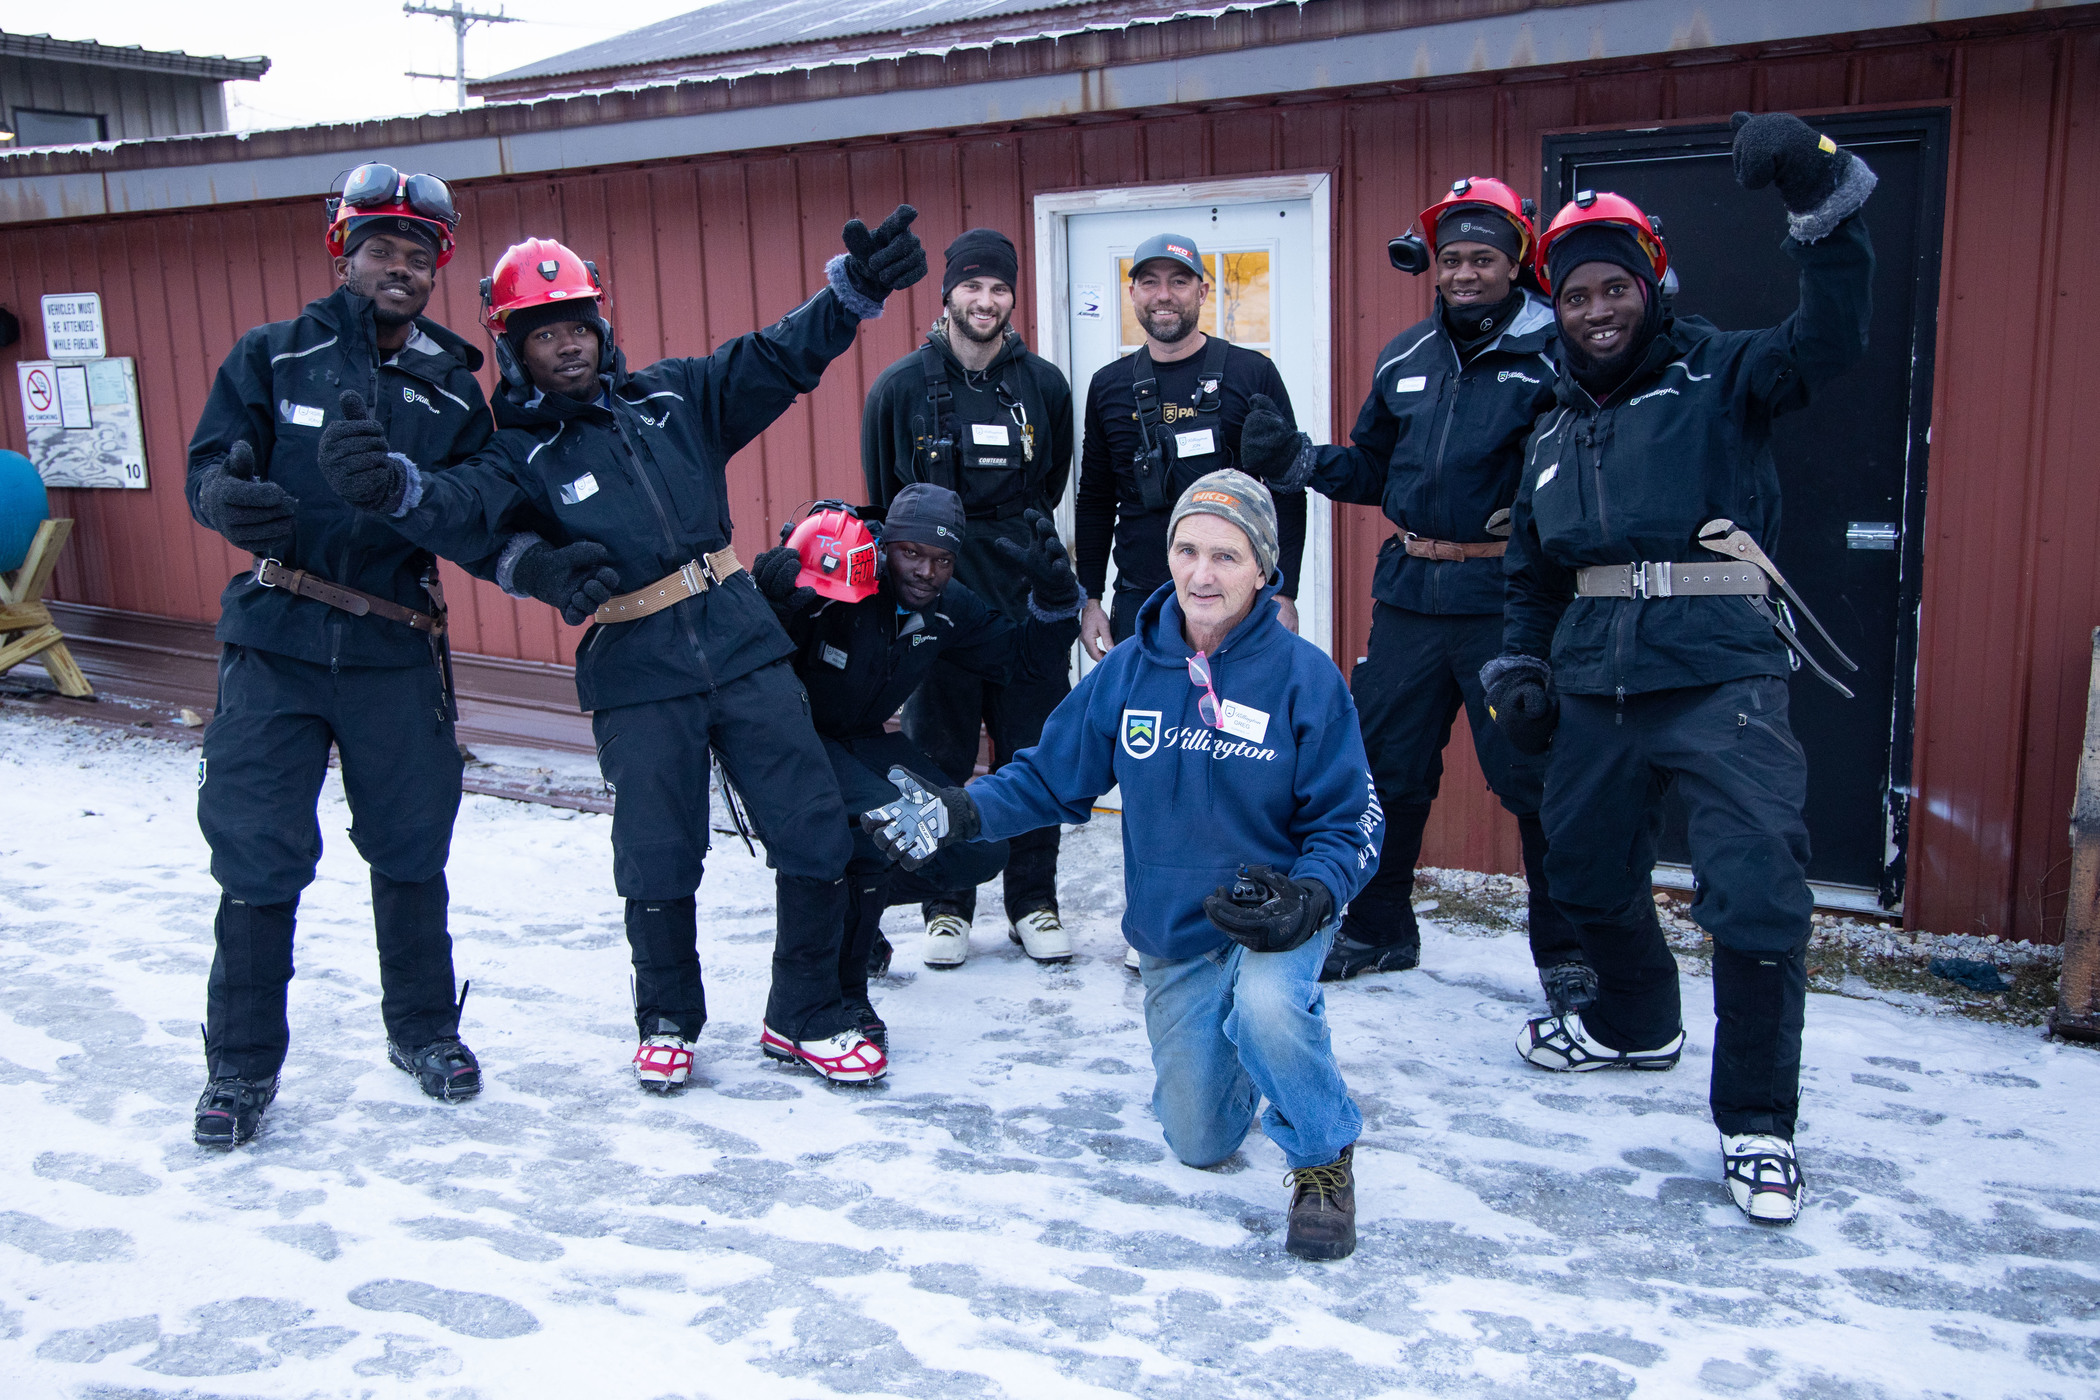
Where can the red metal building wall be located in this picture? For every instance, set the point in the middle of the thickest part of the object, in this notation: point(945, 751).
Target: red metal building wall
point(697, 251)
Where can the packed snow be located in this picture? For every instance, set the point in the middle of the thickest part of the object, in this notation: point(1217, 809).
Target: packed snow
point(997, 1218)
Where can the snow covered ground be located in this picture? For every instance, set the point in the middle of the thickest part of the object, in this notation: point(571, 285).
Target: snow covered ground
point(999, 1218)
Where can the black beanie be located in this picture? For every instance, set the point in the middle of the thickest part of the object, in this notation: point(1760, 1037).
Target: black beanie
point(981, 252)
point(525, 320)
point(923, 513)
point(1479, 223)
point(363, 226)
point(1605, 243)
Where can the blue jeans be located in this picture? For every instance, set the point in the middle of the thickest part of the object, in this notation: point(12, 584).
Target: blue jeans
point(1232, 1028)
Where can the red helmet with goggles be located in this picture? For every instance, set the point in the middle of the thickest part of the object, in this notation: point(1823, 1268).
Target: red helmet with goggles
point(1595, 207)
point(378, 190)
point(838, 552)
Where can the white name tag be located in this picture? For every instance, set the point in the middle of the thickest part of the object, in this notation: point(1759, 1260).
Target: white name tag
point(307, 416)
point(1413, 384)
point(1197, 444)
point(1243, 721)
point(990, 435)
point(834, 657)
point(1546, 476)
point(581, 489)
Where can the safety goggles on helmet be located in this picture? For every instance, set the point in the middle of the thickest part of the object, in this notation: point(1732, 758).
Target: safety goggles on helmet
point(1411, 252)
point(378, 188)
point(1603, 207)
point(838, 552)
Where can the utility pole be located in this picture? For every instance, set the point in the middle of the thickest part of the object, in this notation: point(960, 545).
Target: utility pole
point(461, 18)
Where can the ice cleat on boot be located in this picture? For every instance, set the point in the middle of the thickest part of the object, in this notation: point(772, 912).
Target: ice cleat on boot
point(879, 954)
point(1569, 986)
point(231, 1110)
point(1349, 958)
point(947, 941)
point(664, 1061)
point(1560, 1043)
point(846, 1058)
point(444, 1069)
point(868, 1023)
point(1763, 1177)
point(1323, 1209)
point(1042, 936)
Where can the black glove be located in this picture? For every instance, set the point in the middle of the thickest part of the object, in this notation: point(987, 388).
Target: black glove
point(1267, 911)
point(1521, 698)
point(775, 572)
point(891, 257)
point(255, 515)
point(921, 821)
point(356, 460)
point(1053, 588)
point(1780, 149)
point(573, 578)
point(1268, 442)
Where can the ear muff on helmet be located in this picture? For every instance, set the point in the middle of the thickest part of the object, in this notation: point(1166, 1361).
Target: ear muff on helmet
point(542, 272)
point(1413, 252)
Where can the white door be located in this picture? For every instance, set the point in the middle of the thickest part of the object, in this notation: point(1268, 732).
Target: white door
point(1268, 265)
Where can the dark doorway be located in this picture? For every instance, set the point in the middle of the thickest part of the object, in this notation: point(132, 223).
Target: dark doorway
point(1851, 465)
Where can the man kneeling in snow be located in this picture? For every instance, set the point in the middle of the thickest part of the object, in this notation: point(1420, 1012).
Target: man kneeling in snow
point(1248, 821)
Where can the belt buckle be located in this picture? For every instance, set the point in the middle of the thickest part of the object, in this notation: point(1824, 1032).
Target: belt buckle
point(261, 565)
point(1650, 580)
point(693, 574)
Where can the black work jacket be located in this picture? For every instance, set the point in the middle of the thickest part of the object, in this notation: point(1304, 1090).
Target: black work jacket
point(276, 391)
point(859, 661)
point(643, 471)
point(1439, 447)
point(1686, 439)
point(1019, 397)
point(1110, 506)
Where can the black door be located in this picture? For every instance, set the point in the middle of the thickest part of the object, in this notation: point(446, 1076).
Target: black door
point(1851, 465)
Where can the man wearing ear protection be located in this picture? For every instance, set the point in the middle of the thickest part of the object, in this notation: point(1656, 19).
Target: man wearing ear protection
point(607, 493)
point(335, 635)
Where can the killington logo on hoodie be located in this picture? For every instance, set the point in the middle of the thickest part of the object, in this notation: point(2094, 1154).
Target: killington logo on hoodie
point(1140, 733)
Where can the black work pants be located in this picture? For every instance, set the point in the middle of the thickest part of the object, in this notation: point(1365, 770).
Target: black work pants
point(942, 718)
point(1417, 673)
point(862, 765)
point(1731, 756)
point(655, 758)
point(259, 785)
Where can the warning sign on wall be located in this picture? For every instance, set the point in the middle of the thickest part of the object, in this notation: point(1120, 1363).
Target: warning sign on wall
point(83, 422)
point(39, 380)
point(73, 326)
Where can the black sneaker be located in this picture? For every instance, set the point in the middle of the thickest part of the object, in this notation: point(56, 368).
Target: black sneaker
point(862, 1011)
point(1323, 1209)
point(879, 958)
point(1349, 958)
point(1569, 986)
point(446, 1069)
point(231, 1110)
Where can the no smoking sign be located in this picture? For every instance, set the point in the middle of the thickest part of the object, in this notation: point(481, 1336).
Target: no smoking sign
point(40, 408)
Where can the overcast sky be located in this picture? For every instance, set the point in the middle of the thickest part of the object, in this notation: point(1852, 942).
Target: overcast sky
point(341, 62)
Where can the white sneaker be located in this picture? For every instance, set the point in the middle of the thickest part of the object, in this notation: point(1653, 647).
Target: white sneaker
point(947, 941)
point(663, 1063)
point(1042, 936)
point(1560, 1043)
point(1130, 960)
point(1763, 1177)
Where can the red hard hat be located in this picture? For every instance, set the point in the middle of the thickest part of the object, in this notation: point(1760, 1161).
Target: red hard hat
point(838, 552)
point(1592, 207)
point(1488, 191)
point(378, 190)
point(538, 272)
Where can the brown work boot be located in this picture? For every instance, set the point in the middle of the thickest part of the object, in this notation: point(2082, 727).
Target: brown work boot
point(1323, 1209)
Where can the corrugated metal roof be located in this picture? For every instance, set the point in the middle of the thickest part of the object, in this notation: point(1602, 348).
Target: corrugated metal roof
point(132, 56)
point(732, 26)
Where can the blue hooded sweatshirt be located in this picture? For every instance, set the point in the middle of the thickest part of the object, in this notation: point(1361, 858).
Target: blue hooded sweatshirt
point(1284, 783)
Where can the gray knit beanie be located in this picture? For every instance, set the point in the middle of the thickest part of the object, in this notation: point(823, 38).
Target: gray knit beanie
point(1235, 496)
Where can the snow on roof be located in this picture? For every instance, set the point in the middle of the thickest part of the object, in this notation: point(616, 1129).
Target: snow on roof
point(99, 55)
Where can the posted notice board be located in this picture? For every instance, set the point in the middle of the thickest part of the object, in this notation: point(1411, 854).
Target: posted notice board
point(83, 422)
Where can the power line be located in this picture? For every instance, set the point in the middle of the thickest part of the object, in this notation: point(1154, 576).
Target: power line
point(462, 18)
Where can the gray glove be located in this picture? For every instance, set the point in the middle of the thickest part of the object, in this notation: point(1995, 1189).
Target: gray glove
point(886, 260)
point(355, 459)
point(914, 828)
point(256, 515)
point(574, 578)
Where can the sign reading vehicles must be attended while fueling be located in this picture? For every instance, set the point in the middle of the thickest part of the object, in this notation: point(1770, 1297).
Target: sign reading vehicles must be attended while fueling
point(73, 326)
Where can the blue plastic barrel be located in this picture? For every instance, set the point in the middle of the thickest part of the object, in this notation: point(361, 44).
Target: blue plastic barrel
point(23, 507)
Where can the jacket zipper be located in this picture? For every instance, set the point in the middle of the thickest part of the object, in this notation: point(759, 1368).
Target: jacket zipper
point(1622, 625)
point(1436, 472)
point(641, 475)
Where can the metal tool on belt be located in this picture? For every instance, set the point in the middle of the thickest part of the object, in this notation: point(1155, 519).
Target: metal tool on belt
point(1722, 537)
point(692, 579)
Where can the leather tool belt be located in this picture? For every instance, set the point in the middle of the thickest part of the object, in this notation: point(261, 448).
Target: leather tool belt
point(1666, 580)
point(1449, 552)
point(691, 580)
point(272, 574)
